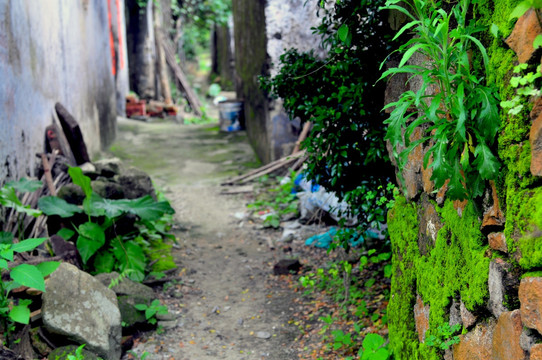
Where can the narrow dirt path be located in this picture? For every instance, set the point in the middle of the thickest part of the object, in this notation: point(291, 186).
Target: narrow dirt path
point(224, 309)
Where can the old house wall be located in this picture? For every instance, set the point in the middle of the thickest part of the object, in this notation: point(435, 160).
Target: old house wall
point(53, 51)
point(475, 264)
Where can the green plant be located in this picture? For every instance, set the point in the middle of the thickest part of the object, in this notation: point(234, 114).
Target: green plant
point(444, 337)
point(138, 357)
point(23, 274)
point(279, 199)
point(455, 111)
point(525, 87)
point(341, 339)
point(374, 348)
point(152, 310)
point(101, 249)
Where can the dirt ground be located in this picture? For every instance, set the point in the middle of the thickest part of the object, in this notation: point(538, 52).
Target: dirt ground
point(223, 305)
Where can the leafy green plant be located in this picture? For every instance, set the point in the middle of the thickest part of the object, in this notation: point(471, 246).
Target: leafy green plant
point(444, 337)
point(152, 310)
point(22, 274)
point(100, 248)
point(455, 110)
point(341, 339)
point(525, 87)
point(138, 357)
point(374, 348)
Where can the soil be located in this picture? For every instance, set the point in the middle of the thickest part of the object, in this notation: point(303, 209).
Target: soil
point(225, 304)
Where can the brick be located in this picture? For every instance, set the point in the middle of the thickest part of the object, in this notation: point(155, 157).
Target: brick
point(535, 138)
point(497, 241)
point(530, 297)
point(507, 337)
point(421, 316)
point(521, 40)
point(476, 344)
point(536, 352)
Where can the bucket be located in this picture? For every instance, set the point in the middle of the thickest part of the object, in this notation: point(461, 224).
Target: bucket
point(230, 115)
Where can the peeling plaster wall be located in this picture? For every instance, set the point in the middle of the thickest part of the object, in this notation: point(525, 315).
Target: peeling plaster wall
point(53, 50)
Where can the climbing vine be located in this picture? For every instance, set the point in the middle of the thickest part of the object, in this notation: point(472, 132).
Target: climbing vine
point(455, 109)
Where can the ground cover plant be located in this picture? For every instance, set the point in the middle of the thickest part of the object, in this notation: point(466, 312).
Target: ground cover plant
point(102, 249)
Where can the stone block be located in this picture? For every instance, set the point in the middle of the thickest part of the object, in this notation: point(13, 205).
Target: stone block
point(395, 87)
point(496, 283)
point(476, 344)
point(421, 316)
point(412, 170)
point(536, 352)
point(493, 216)
point(430, 224)
point(506, 338)
point(136, 184)
point(497, 241)
point(535, 138)
point(81, 309)
point(467, 317)
point(287, 266)
point(521, 39)
point(530, 297)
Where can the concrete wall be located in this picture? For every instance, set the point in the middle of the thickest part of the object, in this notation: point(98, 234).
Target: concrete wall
point(53, 50)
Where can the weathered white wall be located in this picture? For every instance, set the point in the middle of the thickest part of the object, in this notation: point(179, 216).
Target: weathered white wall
point(53, 50)
point(288, 25)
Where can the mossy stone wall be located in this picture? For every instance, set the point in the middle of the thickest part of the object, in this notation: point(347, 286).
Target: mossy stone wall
point(474, 263)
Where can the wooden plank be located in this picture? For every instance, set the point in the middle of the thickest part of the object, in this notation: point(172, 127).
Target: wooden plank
point(73, 134)
point(191, 97)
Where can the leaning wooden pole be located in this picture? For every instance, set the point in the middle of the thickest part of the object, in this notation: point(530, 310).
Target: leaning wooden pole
point(161, 57)
point(191, 97)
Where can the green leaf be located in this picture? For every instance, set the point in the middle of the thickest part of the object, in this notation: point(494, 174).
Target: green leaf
point(537, 42)
point(146, 208)
point(343, 32)
point(3, 264)
point(20, 313)
point(6, 237)
point(130, 256)
point(91, 239)
point(80, 179)
point(486, 163)
point(104, 262)
point(28, 275)
point(372, 342)
point(408, 54)
point(25, 185)
point(520, 9)
point(92, 205)
point(494, 30)
point(27, 245)
point(141, 307)
point(9, 198)
point(52, 205)
point(65, 233)
point(48, 267)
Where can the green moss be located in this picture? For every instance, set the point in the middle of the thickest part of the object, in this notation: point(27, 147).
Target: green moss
point(529, 225)
point(456, 265)
point(160, 255)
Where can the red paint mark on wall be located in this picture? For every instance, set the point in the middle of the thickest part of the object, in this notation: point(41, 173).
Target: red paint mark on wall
point(119, 31)
point(111, 40)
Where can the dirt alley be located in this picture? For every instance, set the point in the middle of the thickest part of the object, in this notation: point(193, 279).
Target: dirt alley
point(223, 307)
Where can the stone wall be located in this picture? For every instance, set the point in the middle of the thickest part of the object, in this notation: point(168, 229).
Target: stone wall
point(54, 50)
point(477, 265)
point(262, 31)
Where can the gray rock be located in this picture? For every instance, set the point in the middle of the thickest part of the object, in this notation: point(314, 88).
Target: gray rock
point(497, 272)
point(126, 286)
point(108, 167)
point(455, 315)
point(263, 335)
point(286, 267)
point(80, 308)
point(136, 184)
point(527, 339)
point(108, 189)
point(130, 316)
point(168, 324)
point(71, 193)
point(467, 317)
